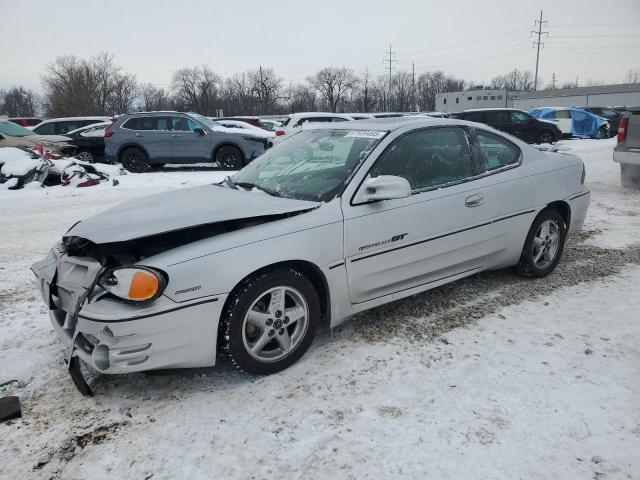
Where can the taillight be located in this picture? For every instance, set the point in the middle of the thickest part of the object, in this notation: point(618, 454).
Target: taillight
point(107, 131)
point(279, 133)
point(622, 129)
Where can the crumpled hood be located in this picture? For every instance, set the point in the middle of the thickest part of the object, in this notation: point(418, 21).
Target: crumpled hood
point(181, 209)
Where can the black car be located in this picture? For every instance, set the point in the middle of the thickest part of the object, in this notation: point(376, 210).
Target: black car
point(90, 142)
point(516, 122)
point(610, 114)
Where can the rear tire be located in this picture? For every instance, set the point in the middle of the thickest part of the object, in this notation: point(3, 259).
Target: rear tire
point(85, 155)
point(629, 175)
point(546, 136)
point(544, 245)
point(269, 321)
point(229, 158)
point(134, 160)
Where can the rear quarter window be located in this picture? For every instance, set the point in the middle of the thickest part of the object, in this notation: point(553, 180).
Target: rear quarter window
point(46, 129)
point(496, 151)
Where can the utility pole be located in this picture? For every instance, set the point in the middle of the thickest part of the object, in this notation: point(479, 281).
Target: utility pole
point(413, 86)
point(553, 81)
point(538, 32)
point(389, 59)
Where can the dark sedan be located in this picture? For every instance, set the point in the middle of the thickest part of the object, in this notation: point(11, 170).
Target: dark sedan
point(516, 122)
point(90, 142)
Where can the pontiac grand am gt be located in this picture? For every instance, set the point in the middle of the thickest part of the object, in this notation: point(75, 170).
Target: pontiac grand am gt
point(337, 219)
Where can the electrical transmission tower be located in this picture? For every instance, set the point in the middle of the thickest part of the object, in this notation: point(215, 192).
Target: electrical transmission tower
point(538, 32)
point(390, 60)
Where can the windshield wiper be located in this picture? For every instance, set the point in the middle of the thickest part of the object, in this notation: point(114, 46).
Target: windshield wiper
point(230, 182)
point(249, 186)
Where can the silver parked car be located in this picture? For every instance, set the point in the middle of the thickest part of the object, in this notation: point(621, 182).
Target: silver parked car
point(340, 218)
point(627, 150)
point(141, 140)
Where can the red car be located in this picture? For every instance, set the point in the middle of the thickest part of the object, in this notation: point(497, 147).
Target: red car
point(26, 121)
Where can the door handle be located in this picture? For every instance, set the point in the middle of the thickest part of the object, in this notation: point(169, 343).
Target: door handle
point(175, 135)
point(474, 200)
point(139, 135)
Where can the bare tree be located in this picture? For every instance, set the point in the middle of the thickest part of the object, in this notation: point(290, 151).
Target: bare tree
point(94, 86)
point(124, 92)
point(153, 98)
point(266, 86)
point(333, 84)
point(401, 91)
point(197, 89)
point(18, 102)
point(300, 98)
point(514, 80)
point(632, 76)
point(431, 83)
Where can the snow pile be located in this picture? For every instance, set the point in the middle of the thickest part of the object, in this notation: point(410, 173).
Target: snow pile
point(16, 162)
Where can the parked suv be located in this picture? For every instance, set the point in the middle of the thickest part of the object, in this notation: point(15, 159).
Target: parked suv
point(516, 122)
point(60, 126)
point(140, 140)
point(627, 150)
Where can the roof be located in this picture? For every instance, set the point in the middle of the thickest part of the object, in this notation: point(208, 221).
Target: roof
point(570, 92)
point(491, 109)
point(386, 124)
point(62, 119)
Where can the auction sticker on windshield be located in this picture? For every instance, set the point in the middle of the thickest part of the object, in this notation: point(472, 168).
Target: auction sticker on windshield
point(365, 134)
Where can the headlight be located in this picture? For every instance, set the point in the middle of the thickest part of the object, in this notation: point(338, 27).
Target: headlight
point(138, 284)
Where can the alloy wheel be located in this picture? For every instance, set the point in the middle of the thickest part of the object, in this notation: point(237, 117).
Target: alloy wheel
point(545, 244)
point(275, 324)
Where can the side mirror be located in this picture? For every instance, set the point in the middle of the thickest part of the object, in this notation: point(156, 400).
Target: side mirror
point(199, 131)
point(383, 187)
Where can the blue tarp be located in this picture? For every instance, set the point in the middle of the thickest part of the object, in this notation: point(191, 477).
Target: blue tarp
point(583, 123)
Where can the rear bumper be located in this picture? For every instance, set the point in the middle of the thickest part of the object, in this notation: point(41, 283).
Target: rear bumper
point(630, 156)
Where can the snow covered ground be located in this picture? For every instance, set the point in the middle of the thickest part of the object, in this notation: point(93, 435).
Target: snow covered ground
point(490, 377)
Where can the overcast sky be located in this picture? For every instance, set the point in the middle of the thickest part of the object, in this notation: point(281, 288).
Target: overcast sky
point(475, 40)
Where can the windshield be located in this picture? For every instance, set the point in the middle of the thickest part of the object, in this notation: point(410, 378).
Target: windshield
point(13, 130)
point(311, 165)
point(207, 121)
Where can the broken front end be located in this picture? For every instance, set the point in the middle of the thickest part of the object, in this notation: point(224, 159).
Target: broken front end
point(113, 315)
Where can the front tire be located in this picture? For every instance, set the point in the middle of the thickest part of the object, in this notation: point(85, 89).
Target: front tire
point(269, 321)
point(135, 160)
point(229, 158)
point(544, 245)
point(546, 136)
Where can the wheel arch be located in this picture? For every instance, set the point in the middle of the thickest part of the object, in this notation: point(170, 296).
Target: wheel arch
point(564, 209)
point(310, 270)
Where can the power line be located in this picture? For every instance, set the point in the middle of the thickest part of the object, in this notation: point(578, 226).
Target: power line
point(538, 43)
point(389, 58)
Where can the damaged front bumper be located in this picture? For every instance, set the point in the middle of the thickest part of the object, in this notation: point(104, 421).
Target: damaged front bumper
point(114, 336)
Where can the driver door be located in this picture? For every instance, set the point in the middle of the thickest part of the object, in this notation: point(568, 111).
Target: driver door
point(189, 146)
point(437, 233)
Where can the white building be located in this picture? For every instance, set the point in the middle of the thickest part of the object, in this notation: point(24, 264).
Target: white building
point(626, 94)
point(452, 102)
